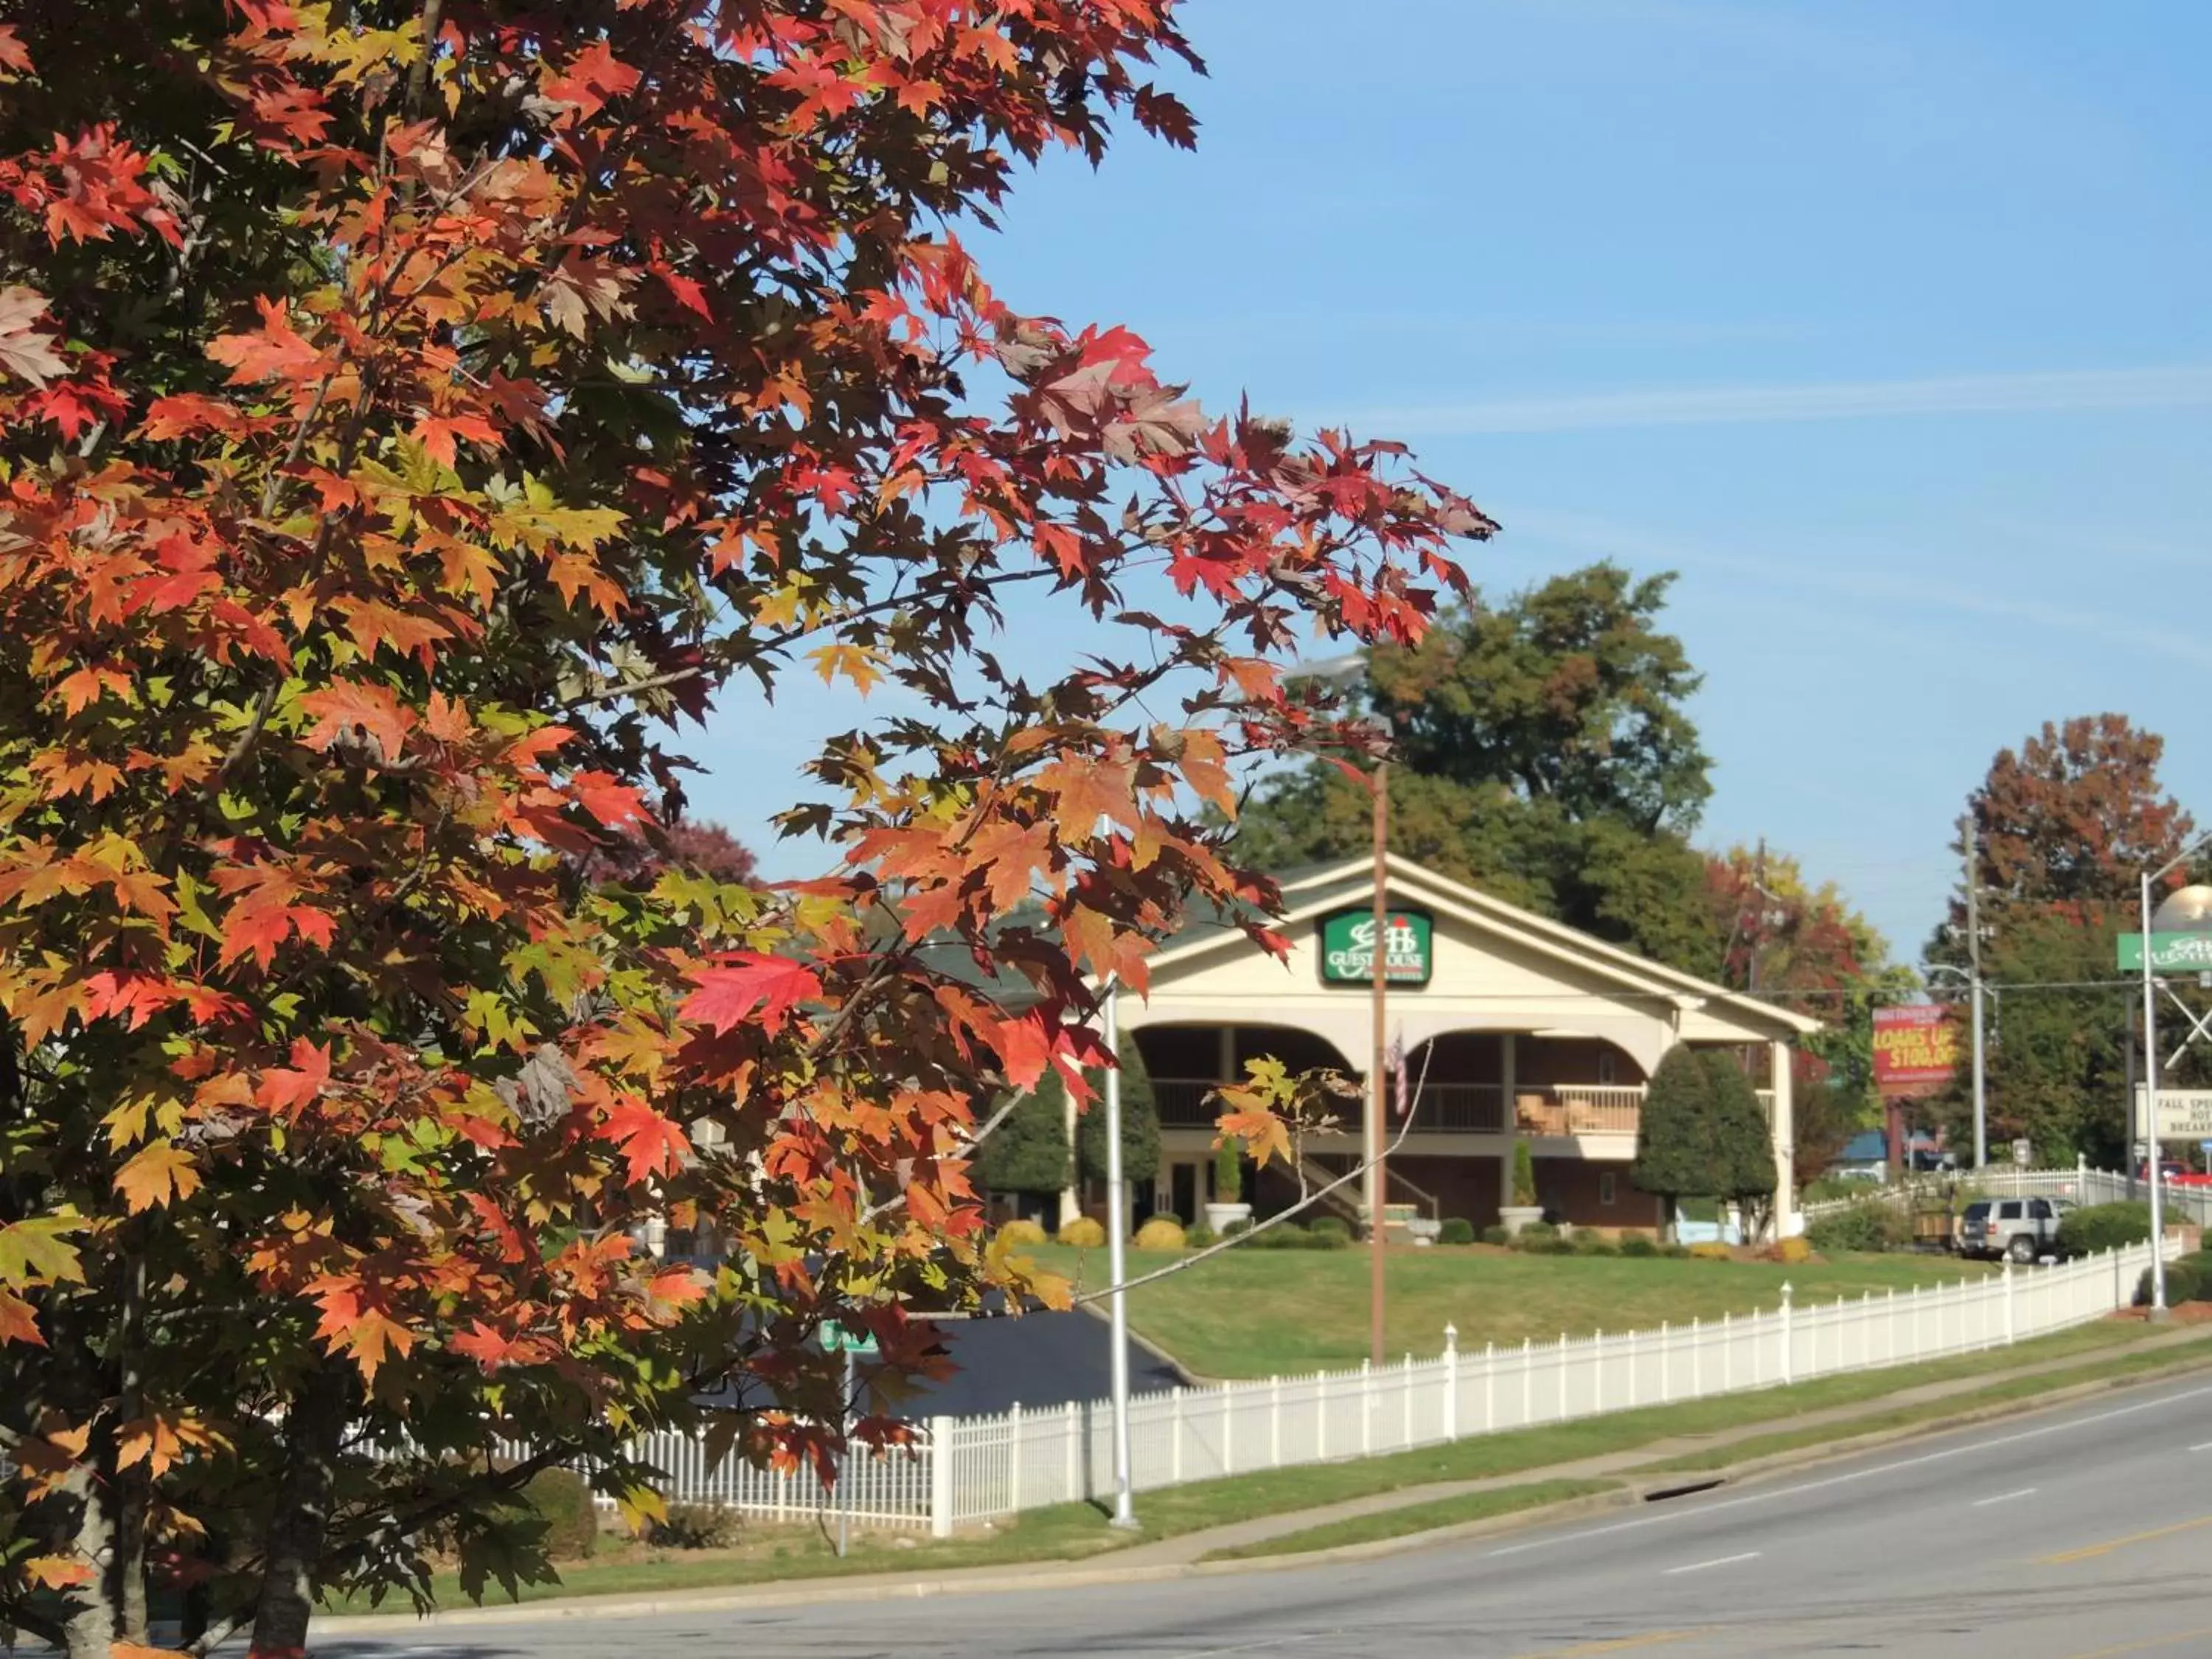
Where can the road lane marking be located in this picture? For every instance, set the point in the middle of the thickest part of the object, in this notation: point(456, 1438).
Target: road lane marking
point(2202, 1445)
point(2147, 1645)
point(1672, 1514)
point(1658, 1638)
point(2090, 1552)
point(1718, 1561)
point(2004, 1497)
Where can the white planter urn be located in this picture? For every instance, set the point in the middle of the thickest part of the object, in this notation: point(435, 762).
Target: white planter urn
point(1514, 1216)
point(1221, 1217)
point(1422, 1230)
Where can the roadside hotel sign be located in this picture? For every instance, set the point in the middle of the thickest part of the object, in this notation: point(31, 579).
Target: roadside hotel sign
point(839, 1339)
point(1916, 1050)
point(2183, 1113)
point(1348, 948)
point(2181, 953)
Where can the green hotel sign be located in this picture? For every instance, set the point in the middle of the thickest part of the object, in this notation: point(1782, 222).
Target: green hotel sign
point(1348, 948)
point(2180, 953)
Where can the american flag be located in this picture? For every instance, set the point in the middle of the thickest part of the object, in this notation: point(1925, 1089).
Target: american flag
point(1398, 1068)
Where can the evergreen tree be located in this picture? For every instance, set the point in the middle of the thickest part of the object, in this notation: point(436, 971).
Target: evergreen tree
point(1747, 1175)
point(1678, 1153)
point(1140, 1124)
point(1029, 1152)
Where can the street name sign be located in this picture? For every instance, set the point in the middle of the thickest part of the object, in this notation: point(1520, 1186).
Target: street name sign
point(2181, 953)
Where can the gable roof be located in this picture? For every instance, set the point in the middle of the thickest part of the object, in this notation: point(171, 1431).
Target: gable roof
point(1322, 890)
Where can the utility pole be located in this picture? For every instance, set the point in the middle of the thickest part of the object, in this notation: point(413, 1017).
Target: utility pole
point(1968, 845)
point(1379, 968)
point(1758, 914)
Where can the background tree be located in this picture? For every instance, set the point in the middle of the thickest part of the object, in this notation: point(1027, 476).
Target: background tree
point(1829, 1111)
point(1140, 1126)
point(1029, 1152)
point(639, 857)
point(410, 412)
point(2065, 827)
point(1746, 1174)
point(1678, 1145)
point(1544, 753)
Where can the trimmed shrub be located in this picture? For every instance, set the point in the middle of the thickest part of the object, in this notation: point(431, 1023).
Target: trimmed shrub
point(1712, 1253)
point(1140, 1120)
point(1524, 1176)
point(1162, 1233)
point(560, 1498)
point(1640, 1245)
point(694, 1527)
point(1029, 1152)
point(1793, 1250)
point(1229, 1173)
point(1675, 1252)
point(1553, 1246)
point(1082, 1234)
point(1595, 1244)
point(1496, 1236)
point(1677, 1142)
point(2103, 1227)
point(1021, 1231)
point(1337, 1225)
point(1536, 1231)
point(1456, 1230)
point(1283, 1235)
point(1318, 1240)
point(1864, 1227)
point(1199, 1237)
point(1238, 1228)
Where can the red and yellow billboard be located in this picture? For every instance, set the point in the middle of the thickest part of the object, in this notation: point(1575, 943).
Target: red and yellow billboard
point(1916, 1049)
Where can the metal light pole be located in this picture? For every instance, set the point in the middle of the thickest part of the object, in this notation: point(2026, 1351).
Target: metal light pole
point(1974, 956)
point(1117, 1265)
point(1379, 974)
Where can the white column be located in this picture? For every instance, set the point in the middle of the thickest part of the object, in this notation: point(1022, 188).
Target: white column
point(1788, 1223)
point(1071, 1201)
point(1510, 1083)
point(1225, 1055)
point(940, 1477)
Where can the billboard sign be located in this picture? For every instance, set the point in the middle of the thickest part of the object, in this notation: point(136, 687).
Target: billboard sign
point(2183, 1113)
point(1916, 1049)
point(1348, 948)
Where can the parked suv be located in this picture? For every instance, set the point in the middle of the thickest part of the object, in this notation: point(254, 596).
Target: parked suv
point(2022, 1228)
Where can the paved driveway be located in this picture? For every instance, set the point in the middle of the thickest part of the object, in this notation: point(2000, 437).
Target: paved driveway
point(1040, 1359)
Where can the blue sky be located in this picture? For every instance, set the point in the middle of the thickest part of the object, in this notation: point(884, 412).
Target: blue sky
point(1884, 323)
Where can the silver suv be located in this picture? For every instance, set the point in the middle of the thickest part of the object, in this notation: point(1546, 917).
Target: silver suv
point(2024, 1229)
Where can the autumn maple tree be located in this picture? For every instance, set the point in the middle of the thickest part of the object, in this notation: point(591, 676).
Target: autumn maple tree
point(413, 416)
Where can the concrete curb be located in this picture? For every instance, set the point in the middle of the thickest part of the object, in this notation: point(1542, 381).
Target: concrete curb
point(1051, 1576)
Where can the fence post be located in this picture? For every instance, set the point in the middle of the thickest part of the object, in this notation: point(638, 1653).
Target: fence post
point(1366, 1408)
point(1227, 1432)
point(1727, 1353)
point(1320, 1417)
point(2008, 1301)
point(1451, 1383)
point(1787, 1363)
point(1697, 1357)
point(1014, 1459)
point(1274, 1422)
point(1665, 1358)
point(1562, 1369)
point(940, 1477)
point(1068, 1437)
point(1175, 1436)
point(1631, 1370)
point(1528, 1381)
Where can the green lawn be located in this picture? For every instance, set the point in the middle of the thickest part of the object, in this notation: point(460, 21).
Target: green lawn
point(1265, 1313)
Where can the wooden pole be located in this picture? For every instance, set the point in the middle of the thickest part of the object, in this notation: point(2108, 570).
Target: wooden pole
point(1377, 1183)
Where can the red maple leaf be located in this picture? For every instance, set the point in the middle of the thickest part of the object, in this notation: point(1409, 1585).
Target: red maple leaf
point(284, 1091)
point(742, 984)
point(350, 707)
point(607, 799)
point(653, 1145)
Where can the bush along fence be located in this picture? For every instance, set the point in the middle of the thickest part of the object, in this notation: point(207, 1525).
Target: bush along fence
point(961, 1471)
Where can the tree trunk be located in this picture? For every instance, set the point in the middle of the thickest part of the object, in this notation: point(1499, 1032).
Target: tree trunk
point(90, 1626)
point(313, 1426)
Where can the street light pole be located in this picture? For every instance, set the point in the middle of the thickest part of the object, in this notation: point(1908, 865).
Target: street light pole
point(1117, 1264)
point(1379, 974)
point(2150, 1105)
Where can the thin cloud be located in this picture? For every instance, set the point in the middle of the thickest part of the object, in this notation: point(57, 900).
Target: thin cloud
point(1844, 400)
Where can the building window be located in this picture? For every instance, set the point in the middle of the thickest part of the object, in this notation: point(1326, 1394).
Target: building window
point(1606, 1074)
point(1608, 1189)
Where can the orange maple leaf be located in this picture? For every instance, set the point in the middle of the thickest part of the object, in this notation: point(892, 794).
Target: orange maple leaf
point(341, 710)
point(159, 1174)
point(744, 983)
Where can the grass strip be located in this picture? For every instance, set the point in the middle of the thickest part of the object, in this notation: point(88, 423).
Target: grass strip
point(1417, 1517)
point(2126, 1367)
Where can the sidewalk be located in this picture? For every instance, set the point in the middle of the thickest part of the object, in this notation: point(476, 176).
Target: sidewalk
point(1177, 1557)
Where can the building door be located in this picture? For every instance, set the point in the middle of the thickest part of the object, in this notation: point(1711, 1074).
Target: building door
point(1182, 1184)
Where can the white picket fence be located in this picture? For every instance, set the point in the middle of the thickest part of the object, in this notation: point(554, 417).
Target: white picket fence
point(961, 1471)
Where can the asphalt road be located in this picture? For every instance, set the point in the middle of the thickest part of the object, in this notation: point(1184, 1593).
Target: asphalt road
point(2085, 1534)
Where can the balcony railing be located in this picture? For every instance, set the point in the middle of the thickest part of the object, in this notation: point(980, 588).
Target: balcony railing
point(1558, 1110)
